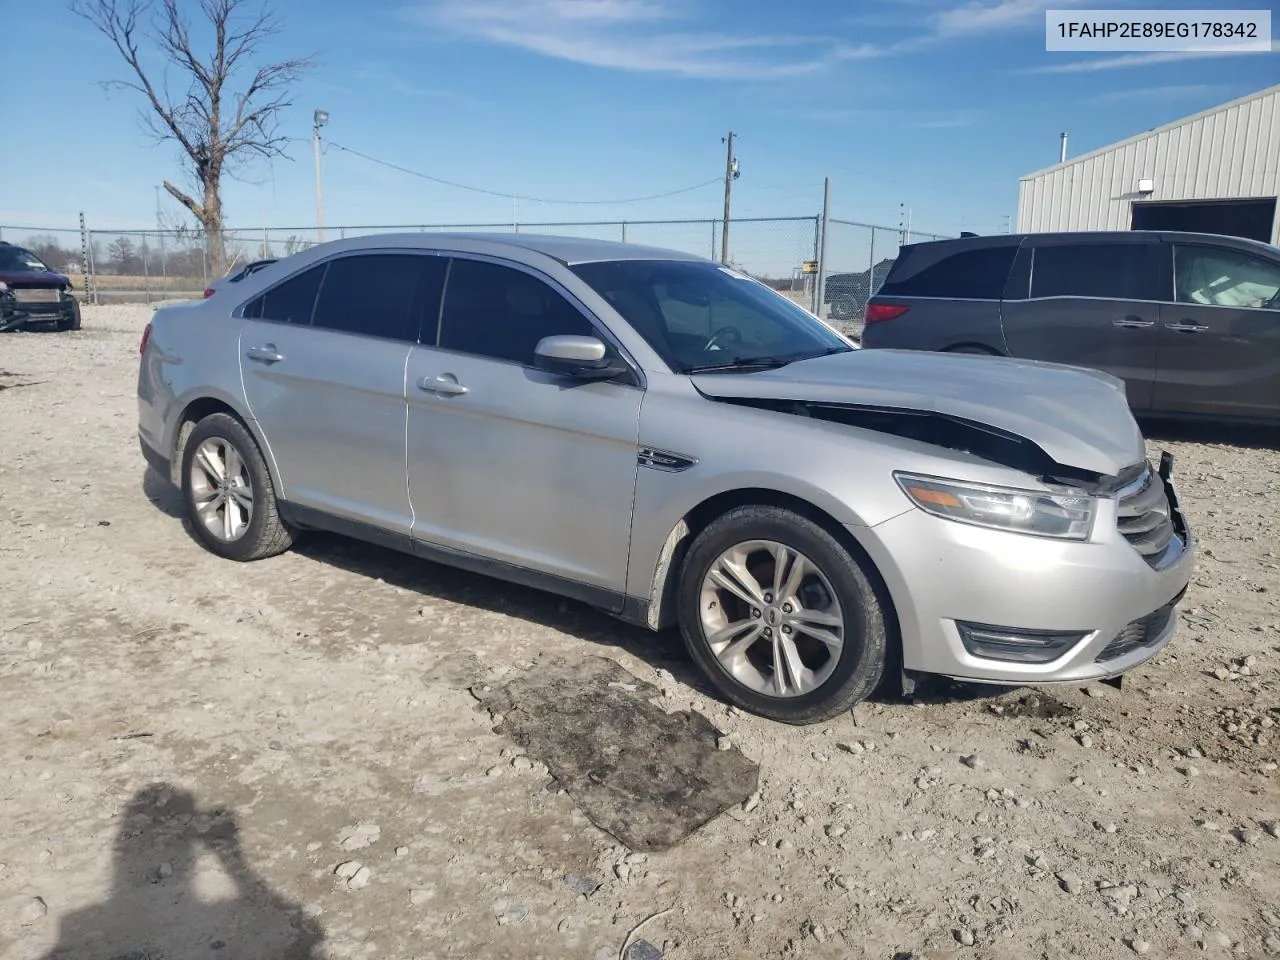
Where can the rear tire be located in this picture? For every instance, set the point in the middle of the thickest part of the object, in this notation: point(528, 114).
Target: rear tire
point(228, 493)
point(818, 624)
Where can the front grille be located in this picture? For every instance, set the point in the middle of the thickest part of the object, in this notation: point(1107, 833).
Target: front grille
point(1144, 516)
point(35, 294)
point(1139, 633)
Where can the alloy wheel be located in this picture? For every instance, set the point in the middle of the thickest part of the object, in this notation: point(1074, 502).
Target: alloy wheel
point(221, 489)
point(771, 618)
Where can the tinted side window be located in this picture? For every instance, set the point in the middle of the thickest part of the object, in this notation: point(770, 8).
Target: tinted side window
point(498, 312)
point(1123, 271)
point(1225, 278)
point(977, 274)
point(380, 295)
point(291, 301)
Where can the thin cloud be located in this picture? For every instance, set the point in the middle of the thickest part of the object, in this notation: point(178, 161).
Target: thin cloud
point(1175, 91)
point(957, 122)
point(978, 17)
point(634, 35)
point(1130, 60)
point(385, 80)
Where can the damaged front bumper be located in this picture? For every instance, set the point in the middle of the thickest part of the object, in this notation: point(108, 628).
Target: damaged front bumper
point(998, 607)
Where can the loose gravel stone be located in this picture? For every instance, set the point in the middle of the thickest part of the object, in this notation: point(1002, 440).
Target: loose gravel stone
point(580, 883)
point(1070, 882)
point(1140, 947)
point(33, 911)
point(347, 869)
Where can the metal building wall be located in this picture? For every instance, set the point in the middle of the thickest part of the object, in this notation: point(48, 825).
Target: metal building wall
point(1229, 151)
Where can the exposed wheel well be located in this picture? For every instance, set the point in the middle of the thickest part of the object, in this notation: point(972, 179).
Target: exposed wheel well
point(662, 612)
point(195, 411)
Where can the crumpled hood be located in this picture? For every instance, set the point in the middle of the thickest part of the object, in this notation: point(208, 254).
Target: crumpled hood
point(32, 278)
point(1078, 417)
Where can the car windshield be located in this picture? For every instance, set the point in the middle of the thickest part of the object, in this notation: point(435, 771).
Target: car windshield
point(700, 316)
point(17, 260)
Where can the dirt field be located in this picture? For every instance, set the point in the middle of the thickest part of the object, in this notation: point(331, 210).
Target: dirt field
point(192, 747)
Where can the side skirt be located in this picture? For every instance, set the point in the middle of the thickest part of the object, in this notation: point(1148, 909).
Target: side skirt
point(631, 609)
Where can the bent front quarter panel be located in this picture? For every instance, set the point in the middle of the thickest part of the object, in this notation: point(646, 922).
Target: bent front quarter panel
point(844, 471)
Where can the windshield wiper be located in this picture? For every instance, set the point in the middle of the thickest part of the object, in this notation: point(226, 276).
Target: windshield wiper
point(762, 363)
point(743, 363)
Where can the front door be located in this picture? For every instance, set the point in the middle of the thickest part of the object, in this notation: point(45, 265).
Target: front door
point(1220, 339)
point(323, 358)
point(509, 463)
point(1093, 304)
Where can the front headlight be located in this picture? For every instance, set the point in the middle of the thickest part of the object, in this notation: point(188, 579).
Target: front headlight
point(1035, 512)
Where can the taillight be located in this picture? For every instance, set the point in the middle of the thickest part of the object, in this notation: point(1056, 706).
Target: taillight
point(208, 292)
point(880, 312)
point(146, 338)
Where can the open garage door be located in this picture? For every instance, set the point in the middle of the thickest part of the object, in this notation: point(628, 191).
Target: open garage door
point(1251, 219)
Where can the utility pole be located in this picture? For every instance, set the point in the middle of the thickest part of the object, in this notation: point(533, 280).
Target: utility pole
point(164, 266)
point(730, 174)
point(820, 294)
point(320, 119)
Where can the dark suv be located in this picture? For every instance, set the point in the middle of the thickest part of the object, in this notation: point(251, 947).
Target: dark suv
point(31, 293)
point(1190, 322)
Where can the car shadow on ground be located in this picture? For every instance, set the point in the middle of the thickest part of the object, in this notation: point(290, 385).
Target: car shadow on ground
point(1257, 437)
point(663, 650)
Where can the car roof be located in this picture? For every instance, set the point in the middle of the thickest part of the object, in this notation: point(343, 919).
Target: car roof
point(567, 250)
point(1114, 236)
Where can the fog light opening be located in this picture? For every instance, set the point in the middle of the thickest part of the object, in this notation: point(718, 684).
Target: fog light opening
point(1017, 645)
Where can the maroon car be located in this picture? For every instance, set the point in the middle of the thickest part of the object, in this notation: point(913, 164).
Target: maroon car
point(31, 294)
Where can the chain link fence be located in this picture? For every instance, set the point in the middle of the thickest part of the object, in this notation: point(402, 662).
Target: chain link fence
point(147, 266)
point(858, 257)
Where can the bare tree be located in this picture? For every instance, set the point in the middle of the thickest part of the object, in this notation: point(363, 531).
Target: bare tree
point(218, 121)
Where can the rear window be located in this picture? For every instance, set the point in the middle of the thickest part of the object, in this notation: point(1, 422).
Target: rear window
point(975, 274)
point(1119, 271)
point(290, 302)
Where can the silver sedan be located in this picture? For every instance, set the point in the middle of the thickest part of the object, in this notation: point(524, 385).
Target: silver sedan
point(673, 442)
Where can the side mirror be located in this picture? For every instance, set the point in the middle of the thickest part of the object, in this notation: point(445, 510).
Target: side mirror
point(584, 358)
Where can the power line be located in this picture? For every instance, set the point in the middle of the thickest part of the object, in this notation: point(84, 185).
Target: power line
point(514, 196)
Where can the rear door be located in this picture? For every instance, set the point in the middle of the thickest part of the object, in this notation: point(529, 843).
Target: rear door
point(323, 359)
point(1220, 339)
point(1093, 302)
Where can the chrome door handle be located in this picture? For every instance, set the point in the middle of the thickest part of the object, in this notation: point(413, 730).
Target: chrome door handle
point(1133, 323)
point(1187, 327)
point(267, 353)
point(445, 386)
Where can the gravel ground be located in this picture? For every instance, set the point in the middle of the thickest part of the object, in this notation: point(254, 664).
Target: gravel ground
point(207, 756)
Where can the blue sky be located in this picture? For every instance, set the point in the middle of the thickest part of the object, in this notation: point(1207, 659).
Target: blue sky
point(939, 104)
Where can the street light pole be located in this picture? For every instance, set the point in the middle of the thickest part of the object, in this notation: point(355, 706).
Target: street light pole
point(320, 119)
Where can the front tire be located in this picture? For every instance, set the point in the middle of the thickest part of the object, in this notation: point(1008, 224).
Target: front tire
point(228, 493)
point(71, 322)
point(780, 616)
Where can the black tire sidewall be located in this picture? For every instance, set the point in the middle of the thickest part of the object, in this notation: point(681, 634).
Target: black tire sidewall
point(71, 322)
point(862, 659)
point(226, 427)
